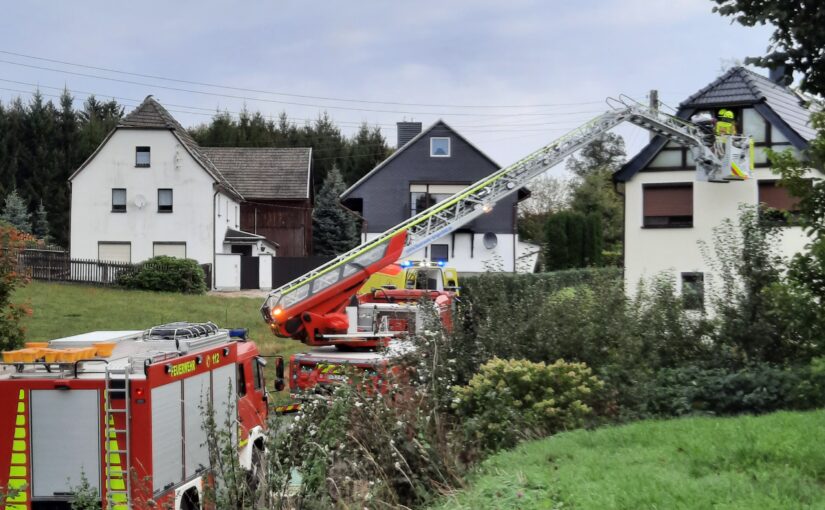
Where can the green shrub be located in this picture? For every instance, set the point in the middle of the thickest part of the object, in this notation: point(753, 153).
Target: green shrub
point(755, 389)
point(167, 274)
point(510, 399)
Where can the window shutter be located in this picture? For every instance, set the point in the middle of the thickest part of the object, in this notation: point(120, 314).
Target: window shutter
point(777, 197)
point(672, 200)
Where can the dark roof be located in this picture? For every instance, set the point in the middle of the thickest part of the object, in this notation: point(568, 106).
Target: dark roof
point(235, 236)
point(264, 173)
point(739, 86)
point(409, 144)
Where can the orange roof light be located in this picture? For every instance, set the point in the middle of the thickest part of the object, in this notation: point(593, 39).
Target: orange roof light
point(276, 313)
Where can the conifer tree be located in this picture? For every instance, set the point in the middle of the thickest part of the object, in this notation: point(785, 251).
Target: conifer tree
point(15, 213)
point(41, 223)
point(334, 229)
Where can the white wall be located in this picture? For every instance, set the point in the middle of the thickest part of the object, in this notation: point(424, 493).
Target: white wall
point(227, 215)
point(649, 251)
point(265, 272)
point(114, 167)
point(479, 259)
point(228, 271)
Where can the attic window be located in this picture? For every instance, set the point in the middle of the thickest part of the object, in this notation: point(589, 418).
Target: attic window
point(142, 158)
point(440, 147)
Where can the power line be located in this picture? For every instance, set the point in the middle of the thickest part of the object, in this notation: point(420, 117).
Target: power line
point(311, 105)
point(287, 94)
point(465, 128)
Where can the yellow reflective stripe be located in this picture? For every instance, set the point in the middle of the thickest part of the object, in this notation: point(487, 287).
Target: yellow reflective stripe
point(18, 458)
point(21, 407)
point(18, 446)
point(17, 472)
point(20, 433)
point(21, 395)
point(21, 420)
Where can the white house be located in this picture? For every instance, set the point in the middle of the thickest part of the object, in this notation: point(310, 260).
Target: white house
point(668, 213)
point(428, 167)
point(150, 190)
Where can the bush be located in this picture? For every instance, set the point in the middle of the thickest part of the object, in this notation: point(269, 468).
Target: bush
point(508, 400)
point(166, 274)
point(755, 389)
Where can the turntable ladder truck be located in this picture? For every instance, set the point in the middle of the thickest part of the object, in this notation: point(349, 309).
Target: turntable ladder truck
point(320, 307)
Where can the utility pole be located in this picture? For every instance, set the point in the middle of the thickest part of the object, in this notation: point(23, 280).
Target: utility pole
point(654, 106)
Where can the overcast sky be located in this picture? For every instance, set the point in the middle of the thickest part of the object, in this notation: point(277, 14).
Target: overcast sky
point(510, 75)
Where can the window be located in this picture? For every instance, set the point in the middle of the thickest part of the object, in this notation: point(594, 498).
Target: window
point(424, 196)
point(164, 200)
point(440, 147)
point(257, 374)
point(114, 251)
point(667, 205)
point(118, 199)
point(241, 379)
point(169, 249)
point(776, 204)
point(439, 252)
point(693, 291)
point(142, 159)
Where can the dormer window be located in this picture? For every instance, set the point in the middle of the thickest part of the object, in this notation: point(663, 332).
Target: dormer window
point(142, 157)
point(440, 147)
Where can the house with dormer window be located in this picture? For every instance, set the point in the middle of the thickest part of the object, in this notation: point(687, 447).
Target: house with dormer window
point(429, 166)
point(149, 189)
point(668, 214)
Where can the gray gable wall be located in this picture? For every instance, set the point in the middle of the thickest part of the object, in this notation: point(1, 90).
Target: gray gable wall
point(386, 192)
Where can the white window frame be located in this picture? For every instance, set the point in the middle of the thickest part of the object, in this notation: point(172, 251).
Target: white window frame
point(449, 147)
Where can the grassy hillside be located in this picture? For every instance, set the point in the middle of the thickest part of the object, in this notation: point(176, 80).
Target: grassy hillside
point(62, 310)
point(768, 462)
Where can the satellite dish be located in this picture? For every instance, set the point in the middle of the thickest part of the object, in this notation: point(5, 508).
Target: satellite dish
point(140, 201)
point(490, 240)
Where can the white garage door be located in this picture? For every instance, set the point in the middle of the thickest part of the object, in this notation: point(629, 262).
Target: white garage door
point(170, 250)
point(114, 252)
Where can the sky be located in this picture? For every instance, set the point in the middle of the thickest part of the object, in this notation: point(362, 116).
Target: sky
point(509, 75)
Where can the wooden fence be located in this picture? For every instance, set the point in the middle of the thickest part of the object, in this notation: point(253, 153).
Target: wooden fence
point(58, 266)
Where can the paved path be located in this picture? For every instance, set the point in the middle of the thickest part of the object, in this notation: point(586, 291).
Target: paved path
point(252, 293)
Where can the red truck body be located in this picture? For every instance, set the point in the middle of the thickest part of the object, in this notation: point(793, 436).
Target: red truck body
point(130, 422)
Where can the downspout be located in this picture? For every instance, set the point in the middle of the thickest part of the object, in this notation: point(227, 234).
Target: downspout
point(214, 246)
point(618, 187)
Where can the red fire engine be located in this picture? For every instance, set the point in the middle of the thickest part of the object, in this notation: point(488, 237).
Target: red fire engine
point(323, 307)
point(125, 410)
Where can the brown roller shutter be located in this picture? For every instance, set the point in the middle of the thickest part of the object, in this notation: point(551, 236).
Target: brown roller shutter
point(671, 200)
point(777, 197)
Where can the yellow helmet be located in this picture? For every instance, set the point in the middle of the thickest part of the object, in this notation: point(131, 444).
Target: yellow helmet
point(724, 113)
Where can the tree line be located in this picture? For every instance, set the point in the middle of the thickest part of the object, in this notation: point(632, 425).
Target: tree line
point(43, 143)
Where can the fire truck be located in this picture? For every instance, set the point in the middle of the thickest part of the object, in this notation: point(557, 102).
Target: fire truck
point(332, 309)
point(125, 410)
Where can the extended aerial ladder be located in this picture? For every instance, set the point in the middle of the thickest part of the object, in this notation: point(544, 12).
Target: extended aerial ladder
point(309, 306)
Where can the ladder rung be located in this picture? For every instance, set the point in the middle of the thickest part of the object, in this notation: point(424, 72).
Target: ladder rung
point(117, 431)
point(110, 411)
point(118, 451)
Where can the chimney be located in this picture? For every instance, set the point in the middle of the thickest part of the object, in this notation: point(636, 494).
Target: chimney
point(407, 131)
point(777, 74)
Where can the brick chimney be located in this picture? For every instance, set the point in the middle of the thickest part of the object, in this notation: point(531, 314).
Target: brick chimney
point(407, 131)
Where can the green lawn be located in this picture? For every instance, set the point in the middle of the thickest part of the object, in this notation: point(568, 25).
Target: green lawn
point(768, 462)
point(64, 309)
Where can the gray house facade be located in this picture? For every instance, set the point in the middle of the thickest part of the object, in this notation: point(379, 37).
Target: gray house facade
point(429, 166)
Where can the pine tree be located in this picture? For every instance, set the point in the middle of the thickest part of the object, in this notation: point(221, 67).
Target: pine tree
point(334, 229)
point(41, 223)
point(16, 214)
